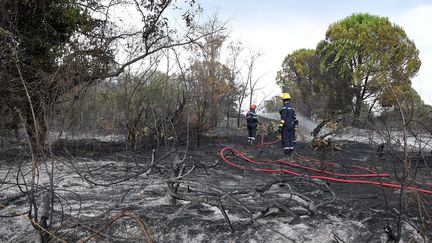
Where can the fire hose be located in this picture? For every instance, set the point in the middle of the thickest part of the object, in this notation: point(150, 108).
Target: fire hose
point(329, 176)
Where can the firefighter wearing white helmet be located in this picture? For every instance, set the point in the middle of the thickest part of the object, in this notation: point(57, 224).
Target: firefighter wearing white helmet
point(287, 124)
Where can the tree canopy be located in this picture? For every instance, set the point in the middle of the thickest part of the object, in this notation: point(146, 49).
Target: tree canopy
point(33, 37)
point(360, 59)
point(300, 75)
point(371, 54)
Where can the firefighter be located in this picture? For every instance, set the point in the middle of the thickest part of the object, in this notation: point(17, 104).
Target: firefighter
point(287, 124)
point(252, 123)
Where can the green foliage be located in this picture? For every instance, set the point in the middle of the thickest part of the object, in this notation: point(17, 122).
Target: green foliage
point(273, 105)
point(404, 92)
point(409, 102)
point(362, 58)
point(425, 118)
point(371, 54)
point(41, 29)
point(340, 52)
point(370, 45)
point(302, 78)
point(33, 39)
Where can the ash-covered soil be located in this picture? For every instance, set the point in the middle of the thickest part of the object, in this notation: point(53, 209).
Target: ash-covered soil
point(107, 194)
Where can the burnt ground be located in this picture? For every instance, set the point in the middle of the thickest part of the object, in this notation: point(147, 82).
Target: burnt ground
point(101, 188)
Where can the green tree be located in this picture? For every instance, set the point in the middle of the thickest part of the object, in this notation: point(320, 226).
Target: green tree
point(371, 54)
point(410, 103)
point(33, 37)
point(301, 77)
point(273, 105)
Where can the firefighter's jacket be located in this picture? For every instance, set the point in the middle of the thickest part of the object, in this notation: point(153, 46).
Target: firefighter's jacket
point(288, 116)
point(251, 118)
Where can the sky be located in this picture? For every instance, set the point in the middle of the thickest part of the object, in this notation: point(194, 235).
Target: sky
point(278, 27)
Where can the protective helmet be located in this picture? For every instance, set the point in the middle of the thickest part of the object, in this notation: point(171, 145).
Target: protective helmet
point(285, 96)
point(253, 106)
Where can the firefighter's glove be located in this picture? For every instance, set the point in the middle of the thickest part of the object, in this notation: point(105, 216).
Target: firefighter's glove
point(280, 126)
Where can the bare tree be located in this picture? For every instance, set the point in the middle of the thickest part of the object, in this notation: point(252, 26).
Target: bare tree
point(87, 53)
point(235, 49)
point(251, 65)
point(410, 164)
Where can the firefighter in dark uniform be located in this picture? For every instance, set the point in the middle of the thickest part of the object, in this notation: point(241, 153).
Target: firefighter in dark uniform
point(287, 124)
point(252, 123)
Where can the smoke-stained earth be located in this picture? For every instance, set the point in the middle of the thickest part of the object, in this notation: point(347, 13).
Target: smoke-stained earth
point(101, 188)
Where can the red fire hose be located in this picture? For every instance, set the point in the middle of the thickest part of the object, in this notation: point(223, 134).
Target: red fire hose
point(307, 168)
